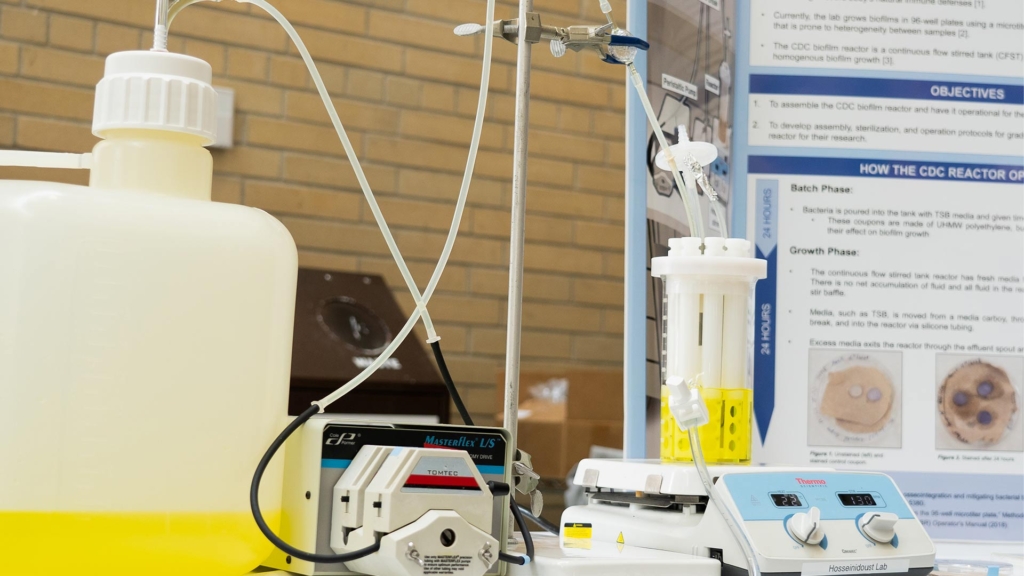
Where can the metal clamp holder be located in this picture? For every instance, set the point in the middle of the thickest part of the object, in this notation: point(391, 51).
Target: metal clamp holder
point(528, 482)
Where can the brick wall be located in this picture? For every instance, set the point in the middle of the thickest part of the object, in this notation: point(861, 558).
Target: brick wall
point(406, 89)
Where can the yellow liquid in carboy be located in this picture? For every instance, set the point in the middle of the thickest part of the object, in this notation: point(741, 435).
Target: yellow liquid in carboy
point(131, 544)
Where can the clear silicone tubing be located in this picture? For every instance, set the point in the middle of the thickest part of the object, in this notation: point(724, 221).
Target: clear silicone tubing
point(688, 194)
point(421, 299)
point(27, 159)
point(715, 496)
point(178, 6)
point(160, 28)
point(699, 179)
point(716, 203)
point(723, 224)
point(350, 152)
point(452, 232)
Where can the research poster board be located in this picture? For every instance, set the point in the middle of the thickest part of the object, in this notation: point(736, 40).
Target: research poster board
point(879, 168)
point(689, 82)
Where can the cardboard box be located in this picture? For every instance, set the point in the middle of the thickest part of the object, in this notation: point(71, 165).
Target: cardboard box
point(558, 432)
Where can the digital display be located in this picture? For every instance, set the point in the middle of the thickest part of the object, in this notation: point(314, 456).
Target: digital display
point(857, 500)
point(787, 500)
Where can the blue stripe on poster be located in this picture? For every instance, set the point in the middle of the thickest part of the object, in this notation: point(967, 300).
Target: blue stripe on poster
point(886, 88)
point(766, 239)
point(867, 168)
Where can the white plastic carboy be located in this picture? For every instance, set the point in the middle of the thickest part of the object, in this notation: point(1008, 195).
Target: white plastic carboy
point(707, 346)
point(145, 344)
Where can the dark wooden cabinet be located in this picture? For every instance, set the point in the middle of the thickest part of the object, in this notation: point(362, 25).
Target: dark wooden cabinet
point(343, 321)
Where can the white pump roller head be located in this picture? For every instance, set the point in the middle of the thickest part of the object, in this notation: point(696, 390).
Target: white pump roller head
point(156, 91)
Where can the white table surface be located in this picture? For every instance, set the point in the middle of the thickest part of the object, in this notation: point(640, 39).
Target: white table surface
point(1007, 553)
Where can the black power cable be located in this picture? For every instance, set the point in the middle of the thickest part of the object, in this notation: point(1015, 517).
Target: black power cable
point(500, 490)
point(450, 384)
point(513, 559)
point(544, 524)
point(254, 503)
point(527, 538)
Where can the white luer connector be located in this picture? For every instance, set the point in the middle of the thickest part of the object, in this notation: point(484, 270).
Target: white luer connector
point(707, 298)
point(686, 404)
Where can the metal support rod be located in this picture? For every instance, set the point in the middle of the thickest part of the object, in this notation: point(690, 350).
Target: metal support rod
point(515, 264)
